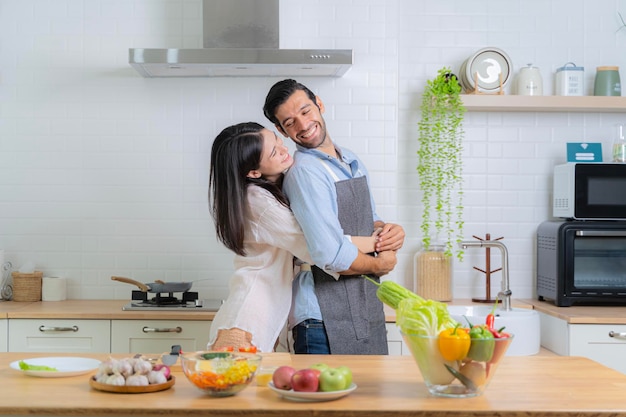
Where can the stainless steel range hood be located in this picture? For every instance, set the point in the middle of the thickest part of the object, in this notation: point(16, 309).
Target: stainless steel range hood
point(240, 40)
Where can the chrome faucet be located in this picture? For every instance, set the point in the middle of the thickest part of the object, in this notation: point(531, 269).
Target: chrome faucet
point(505, 292)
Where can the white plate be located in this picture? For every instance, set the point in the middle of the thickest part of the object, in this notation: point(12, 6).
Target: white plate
point(66, 366)
point(311, 396)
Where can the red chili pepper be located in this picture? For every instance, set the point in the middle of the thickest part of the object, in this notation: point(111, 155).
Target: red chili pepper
point(490, 321)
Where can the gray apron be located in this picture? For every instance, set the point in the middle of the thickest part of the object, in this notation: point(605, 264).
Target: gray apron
point(353, 316)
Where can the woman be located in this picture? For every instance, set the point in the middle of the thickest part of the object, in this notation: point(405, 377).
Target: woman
point(252, 218)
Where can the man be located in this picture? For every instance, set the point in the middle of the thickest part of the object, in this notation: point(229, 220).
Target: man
point(329, 194)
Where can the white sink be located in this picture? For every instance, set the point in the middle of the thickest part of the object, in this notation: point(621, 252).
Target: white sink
point(523, 323)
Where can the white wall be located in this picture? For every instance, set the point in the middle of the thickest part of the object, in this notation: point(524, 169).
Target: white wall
point(104, 173)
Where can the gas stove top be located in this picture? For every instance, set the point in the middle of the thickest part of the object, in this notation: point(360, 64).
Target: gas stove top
point(187, 301)
point(197, 305)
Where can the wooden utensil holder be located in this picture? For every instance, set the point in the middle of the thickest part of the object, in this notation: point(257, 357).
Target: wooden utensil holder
point(27, 287)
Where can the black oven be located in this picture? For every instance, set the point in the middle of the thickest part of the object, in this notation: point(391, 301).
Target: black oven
point(582, 262)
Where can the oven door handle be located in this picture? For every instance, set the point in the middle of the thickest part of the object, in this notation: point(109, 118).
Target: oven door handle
point(617, 335)
point(147, 329)
point(600, 232)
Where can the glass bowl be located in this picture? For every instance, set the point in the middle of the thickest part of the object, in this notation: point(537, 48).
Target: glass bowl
point(220, 374)
point(459, 378)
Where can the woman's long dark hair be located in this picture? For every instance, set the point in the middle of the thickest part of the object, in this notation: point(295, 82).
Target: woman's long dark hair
point(235, 152)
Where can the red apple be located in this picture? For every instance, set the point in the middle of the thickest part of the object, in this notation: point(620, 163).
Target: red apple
point(282, 377)
point(306, 380)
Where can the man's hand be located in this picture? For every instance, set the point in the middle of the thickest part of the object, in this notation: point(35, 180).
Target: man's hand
point(390, 238)
point(378, 265)
point(387, 260)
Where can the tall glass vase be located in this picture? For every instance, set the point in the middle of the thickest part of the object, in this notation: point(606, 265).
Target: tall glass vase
point(433, 273)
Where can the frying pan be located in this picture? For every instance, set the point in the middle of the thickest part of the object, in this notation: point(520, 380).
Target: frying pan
point(158, 286)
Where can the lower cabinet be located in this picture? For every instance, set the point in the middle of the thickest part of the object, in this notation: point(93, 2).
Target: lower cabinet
point(395, 342)
point(603, 343)
point(158, 336)
point(46, 335)
point(4, 335)
point(102, 336)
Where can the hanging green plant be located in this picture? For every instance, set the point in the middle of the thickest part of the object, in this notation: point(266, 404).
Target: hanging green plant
point(440, 165)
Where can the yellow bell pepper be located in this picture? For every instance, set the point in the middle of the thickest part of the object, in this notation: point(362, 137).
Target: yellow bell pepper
point(454, 343)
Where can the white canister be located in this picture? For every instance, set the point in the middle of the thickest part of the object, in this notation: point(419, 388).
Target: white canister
point(53, 289)
point(570, 80)
point(529, 81)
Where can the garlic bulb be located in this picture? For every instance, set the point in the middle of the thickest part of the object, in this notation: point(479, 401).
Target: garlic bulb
point(156, 377)
point(137, 380)
point(123, 367)
point(116, 379)
point(142, 367)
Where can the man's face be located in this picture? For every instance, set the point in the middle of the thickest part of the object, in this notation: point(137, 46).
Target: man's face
point(301, 119)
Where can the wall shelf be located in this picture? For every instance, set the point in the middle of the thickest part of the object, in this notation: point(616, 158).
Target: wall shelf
point(514, 103)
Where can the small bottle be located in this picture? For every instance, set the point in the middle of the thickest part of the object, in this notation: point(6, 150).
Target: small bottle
point(619, 146)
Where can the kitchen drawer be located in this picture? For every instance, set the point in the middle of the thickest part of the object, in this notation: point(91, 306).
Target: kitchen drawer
point(158, 336)
point(4, 335)
point(594, 342)
point(52, 335)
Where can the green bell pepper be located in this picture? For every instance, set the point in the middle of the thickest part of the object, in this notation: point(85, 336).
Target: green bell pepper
point(482, 344)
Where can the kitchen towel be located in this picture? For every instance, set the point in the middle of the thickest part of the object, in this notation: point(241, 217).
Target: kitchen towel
point(53, 289)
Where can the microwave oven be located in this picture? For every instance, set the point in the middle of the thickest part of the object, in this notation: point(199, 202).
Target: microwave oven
point(581, 262)
point(589, 191)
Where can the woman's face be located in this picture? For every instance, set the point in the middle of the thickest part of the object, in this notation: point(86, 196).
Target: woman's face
point(275, 157)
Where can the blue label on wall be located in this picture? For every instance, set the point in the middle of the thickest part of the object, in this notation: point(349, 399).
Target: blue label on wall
point(584, 152)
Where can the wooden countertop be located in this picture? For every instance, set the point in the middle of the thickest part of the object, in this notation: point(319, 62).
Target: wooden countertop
point(530, 386)
point(112, 309)
point(582, 314)
point(91, 309)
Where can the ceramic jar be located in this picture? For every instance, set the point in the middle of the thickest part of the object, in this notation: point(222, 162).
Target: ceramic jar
point(529, 81)
point(607, 82)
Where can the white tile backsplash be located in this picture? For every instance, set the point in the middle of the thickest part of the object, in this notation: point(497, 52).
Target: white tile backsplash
point(103, 172)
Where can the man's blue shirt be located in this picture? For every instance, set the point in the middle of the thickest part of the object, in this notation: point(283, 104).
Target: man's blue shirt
point(313, 199)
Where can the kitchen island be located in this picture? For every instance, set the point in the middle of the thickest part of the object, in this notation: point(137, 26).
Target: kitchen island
point(532, 386)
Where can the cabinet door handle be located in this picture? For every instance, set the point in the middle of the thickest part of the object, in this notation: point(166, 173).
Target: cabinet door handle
point(617, 335)
point(57, 329)
point(147, 329)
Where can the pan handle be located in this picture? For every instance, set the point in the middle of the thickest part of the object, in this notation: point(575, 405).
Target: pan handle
point(143, 287)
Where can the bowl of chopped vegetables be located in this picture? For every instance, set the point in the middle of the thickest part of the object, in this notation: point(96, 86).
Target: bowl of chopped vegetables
point(220, 374)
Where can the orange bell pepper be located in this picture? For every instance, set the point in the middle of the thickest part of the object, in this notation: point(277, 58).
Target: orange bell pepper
point(454, 343)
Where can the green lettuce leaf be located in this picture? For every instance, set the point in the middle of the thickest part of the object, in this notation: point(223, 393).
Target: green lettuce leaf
point(27, 367)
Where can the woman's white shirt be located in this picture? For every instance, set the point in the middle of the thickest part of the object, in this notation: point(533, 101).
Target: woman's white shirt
point(260, 288)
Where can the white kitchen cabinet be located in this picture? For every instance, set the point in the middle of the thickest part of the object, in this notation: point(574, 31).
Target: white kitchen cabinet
point(395, 342)
point(589, 340)
point(158, 336)
point(59, 335)
point(4, 335)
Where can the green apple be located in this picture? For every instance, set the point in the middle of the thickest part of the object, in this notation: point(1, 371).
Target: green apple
point(332, 379)
point(348, 374)
point(319, 366)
